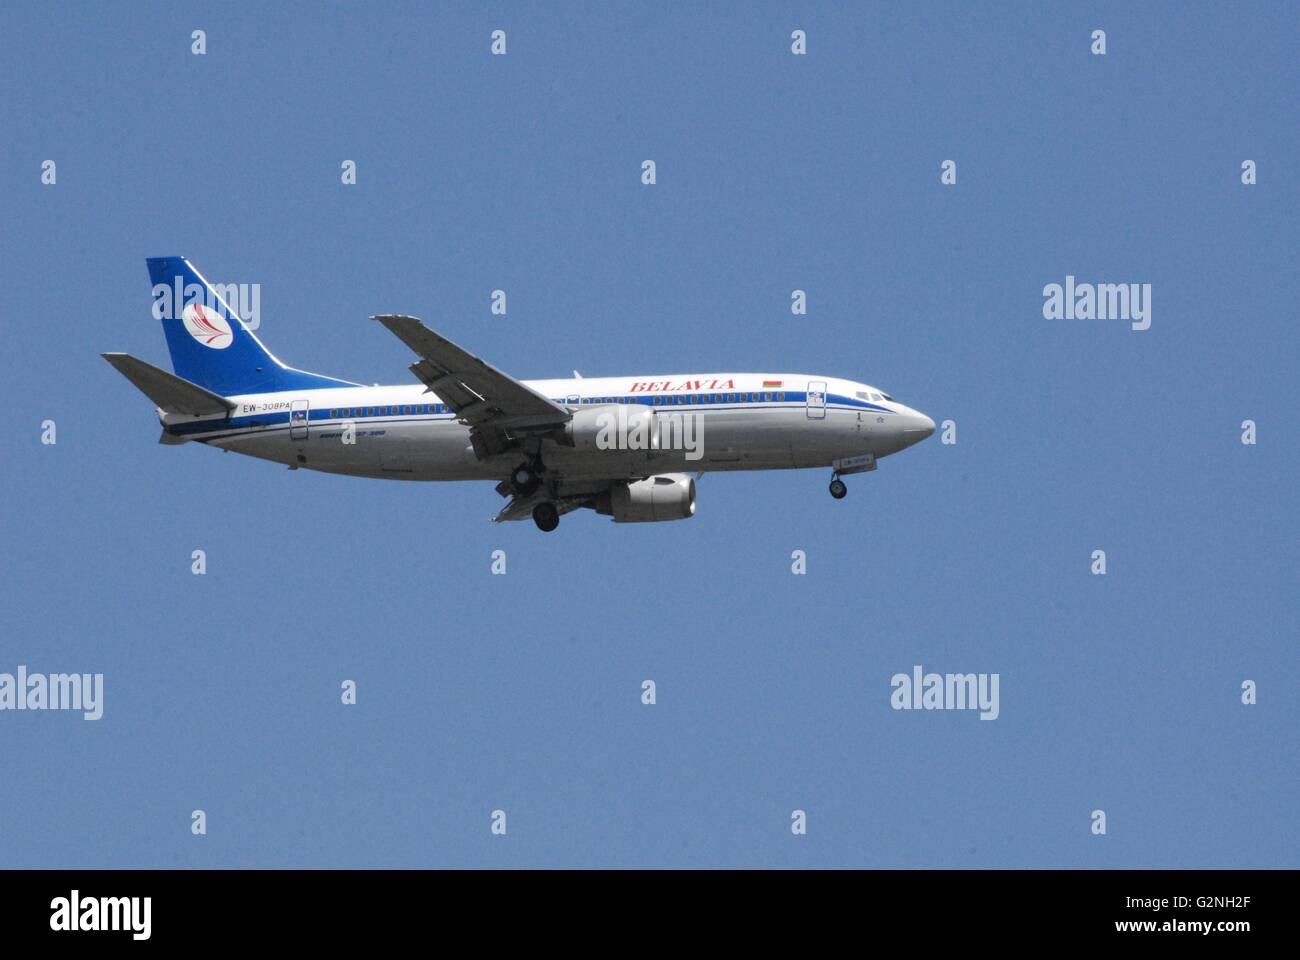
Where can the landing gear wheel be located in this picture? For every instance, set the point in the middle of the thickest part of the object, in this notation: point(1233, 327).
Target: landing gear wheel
point(838, 490)
point(546, 517)
point(525, 479)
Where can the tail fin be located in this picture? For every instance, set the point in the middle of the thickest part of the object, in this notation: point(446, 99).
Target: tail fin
point(209, 343)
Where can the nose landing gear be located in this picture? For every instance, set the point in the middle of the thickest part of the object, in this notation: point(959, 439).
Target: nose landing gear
point(838, 490)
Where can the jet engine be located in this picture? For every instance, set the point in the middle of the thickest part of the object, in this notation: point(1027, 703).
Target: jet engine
point(669, 496)
point(612, 426)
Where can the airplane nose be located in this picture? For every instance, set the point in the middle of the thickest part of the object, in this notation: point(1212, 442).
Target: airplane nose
point(919, 426)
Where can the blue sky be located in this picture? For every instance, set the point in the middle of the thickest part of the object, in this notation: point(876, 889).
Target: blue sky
point(775, 172)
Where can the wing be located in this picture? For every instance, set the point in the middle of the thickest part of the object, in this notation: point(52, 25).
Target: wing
point(498, 408)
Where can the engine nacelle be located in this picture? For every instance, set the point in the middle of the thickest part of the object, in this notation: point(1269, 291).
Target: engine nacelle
point(612, 426)
point(669, 496)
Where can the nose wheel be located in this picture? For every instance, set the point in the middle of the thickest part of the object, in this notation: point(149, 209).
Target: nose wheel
point(838, 490)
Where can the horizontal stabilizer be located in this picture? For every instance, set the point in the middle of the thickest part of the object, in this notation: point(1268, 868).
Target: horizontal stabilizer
point(169, 392)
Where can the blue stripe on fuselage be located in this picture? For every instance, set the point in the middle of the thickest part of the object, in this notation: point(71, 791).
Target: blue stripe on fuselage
point(318, 417)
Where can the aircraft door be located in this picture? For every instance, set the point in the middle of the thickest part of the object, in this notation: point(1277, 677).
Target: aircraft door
point(298, 420)
point(816, 404)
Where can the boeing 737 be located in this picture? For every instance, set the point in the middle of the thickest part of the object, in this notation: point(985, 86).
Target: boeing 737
point(623, 446)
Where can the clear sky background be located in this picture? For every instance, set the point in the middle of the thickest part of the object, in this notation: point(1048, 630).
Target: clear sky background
point(775, 172)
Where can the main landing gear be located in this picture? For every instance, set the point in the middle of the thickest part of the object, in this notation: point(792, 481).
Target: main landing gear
point(546, 516)
point(838, 490)
point(526, 478)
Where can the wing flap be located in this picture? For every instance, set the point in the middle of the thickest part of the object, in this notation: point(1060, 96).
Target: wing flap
point(521, 508)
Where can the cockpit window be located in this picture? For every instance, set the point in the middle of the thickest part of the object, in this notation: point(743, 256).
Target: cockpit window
point(888, 397)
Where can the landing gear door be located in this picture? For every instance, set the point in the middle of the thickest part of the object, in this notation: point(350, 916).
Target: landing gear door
point(298, 420)
point(816, 405)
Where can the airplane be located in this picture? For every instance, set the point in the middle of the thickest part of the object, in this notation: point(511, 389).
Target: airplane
point(623, 446)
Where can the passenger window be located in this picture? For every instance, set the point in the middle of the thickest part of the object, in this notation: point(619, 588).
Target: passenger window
point(780, 397)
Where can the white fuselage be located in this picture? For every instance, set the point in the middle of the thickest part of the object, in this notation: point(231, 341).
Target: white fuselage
point(741, 421)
